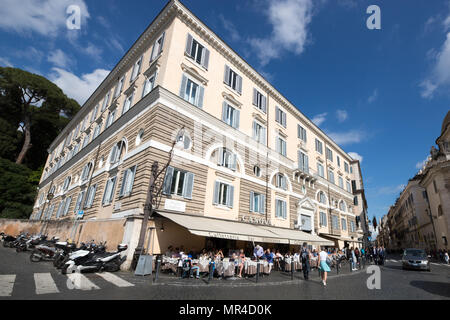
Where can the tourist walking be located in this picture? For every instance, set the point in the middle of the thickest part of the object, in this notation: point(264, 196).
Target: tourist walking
point(323, 266)
point(305, 256)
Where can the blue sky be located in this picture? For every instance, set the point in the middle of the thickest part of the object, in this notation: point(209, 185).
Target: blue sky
point(381, 94)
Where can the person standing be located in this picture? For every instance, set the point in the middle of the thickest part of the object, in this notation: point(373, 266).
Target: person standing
point(446, 258)
point(305, 257)
point(353, 255)
point(323, 266)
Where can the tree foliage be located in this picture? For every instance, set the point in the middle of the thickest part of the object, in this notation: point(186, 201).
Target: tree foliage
point(35, 110)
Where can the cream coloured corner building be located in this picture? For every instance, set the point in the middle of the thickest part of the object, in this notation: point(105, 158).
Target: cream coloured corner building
point(247, 166)
point(421, 215)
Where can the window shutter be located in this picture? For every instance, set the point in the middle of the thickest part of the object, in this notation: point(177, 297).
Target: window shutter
point(255, 97)
point(162, 43)
point(278, 144)
point(224, 111)
point(124, 182)
point(188, 45)
point(205, 58)
point(236, 119)
point(91, 200)
point(306, 164)
point(216, 192)
point(254, 130)
point(239, 84)
point(252, 199)
point(263, 133)
point(283, 182)
point(233, 162)
point(300, 160)
point(285, 210)
point(220, 157)
point(188, 185)
point(168, 180)
point(262, 203)
point(283, 119)
point(227, 75)
point(277, 115)
point(183, 86)
point(264, 104)
point(230, 196)
point(200, 97)
point(187, 142)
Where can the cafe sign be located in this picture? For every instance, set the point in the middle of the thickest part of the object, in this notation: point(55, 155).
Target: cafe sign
point(256, 220)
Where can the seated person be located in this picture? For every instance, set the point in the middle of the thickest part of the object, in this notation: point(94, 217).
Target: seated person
point(195, 267)
point(269, 257)
point(241, 262)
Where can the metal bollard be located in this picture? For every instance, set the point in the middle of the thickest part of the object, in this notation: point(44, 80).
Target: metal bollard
point(292, 270)
point(210, 275)
point(158, 266)
point(257, 271)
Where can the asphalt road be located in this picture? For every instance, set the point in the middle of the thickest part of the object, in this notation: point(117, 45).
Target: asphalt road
point(22, 279)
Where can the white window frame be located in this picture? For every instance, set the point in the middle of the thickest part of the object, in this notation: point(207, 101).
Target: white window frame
point(127, 181)
point(108, 195)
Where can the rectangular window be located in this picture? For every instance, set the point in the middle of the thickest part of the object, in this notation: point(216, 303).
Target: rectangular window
point(109, 191)
point(94, 114)
point(280, 209)
point(223, 194)
point(232, 79)
point(341, 182)
point(78, 202)
point(319, 146)
point(280, 116)
point(259, 100)
point(119, 86)
point(110, 119)
point(355, 200)
point(303, 162)
point(197, 51)
point(346, 167)
point(127, 181)
point(97, 131)
point(157, 47)
point(352, 226)
point(329, 154)
point(90, 196)
point(67, 205)
point(136, 69)
point(230, 115)
point(128, 102)
point(343, 224)
point(148, 84)
point(259, 132)
point(178, 182)
point(323, 219)
point(257, 202)
point(281, 146)
point(348, 186)
point(105, 101)
point(335, 222)
point(338, 161)
point(331, 176)
point(280, 181)
point(191, 91)
point(320, 171)
point(301, 133)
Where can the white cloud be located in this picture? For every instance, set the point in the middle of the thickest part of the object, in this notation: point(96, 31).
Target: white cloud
point(439, 76)
point(349, 137)
point(341, 115)
point(289, 20)
point(373, 96)
point(59, 59)
point(390, 190)
point(5, 62)
point(78, 88)
point(319, 119)
point(46, 17)
point(230, 28)
point(421, 164)
point(356, 156)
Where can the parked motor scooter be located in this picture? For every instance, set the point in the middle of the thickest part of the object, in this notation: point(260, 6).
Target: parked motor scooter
point(65, 248)
point(86, 261)
point(43, 252)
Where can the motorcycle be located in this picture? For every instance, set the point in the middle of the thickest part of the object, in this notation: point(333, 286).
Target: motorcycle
point(7, 240)
point(66, 248)
point(89, 261)
point(44, 251)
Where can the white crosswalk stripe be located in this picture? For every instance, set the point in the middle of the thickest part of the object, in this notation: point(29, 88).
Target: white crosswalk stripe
point(119, 282)
point(79, 281)
point(7, 284)
point(392, 260)
point(44, 283)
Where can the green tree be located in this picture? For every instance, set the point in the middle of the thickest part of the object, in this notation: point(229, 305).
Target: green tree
point(36, 110)
point(18, 189)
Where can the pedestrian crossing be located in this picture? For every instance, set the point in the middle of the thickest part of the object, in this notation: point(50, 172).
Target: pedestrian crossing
point(44, 283)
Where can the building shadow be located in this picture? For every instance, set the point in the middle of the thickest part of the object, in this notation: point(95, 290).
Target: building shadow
point(438, 288)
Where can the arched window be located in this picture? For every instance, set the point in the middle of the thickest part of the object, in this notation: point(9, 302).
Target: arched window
point(280, 181)
point(321, 197)
point(226, 158)
point(139, 137)
point(117, 152)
